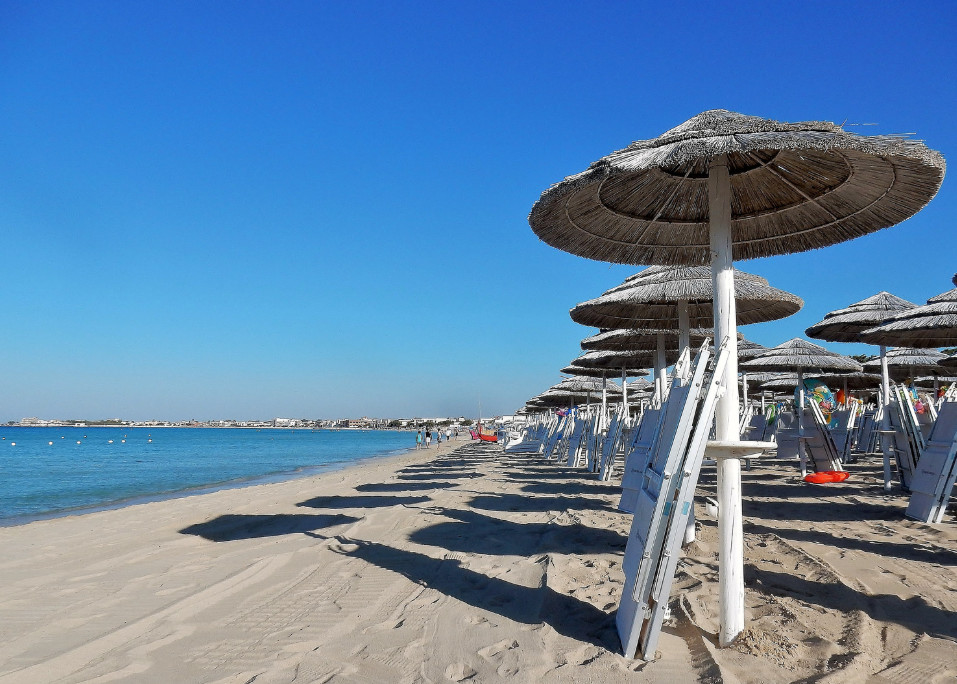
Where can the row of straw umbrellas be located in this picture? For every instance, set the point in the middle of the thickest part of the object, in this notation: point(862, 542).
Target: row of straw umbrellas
point(722, 187)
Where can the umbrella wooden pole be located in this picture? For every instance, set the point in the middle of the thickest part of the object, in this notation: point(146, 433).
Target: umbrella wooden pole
point(624, 391)
point(661, 368)
point(604, 393)
point(730, 528)
point(684, 327)
point(802, 454)
point(885, 417)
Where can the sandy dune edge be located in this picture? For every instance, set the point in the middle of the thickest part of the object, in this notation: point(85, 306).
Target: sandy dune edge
point(468, 566)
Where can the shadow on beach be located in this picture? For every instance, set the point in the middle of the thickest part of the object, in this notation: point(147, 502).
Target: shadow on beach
point(402, 486)
point(538, 504)
point(472, 532)
point(234, 527)
point(360, 501)
point(913, 613)
point(527, 605)
point(903, 550)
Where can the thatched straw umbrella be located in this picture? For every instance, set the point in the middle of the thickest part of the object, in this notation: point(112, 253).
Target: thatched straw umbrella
point(655, 297)
point(847, 325)
point(625, 339)
point(663, 341)
point(931, 325)
point(748, 350)
point(949, 362)
point(625, 364)
point(855, 381)
point(905, 363)
point(613, 361)
point(725, 186)
point(681, 297)
point(802, 357)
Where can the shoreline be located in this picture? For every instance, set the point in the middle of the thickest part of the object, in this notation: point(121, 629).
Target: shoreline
point(462, 563)
point(240, 483)
point(274, 477)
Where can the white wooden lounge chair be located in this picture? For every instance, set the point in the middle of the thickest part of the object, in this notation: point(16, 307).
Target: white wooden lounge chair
point(786, 434)
point(664, 506)
point(610, 445)
point(841, 428)
point(636, 457)
point(902, 441)
point(933, 480)
point(818, 443)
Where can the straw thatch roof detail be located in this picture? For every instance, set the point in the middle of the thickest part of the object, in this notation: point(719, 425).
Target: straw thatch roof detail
point(907, 362)
point(625, 339)
point(748, 349)
point(794, 187)
point(786, 381)
point(800, 355)
point(583, 385)
point(758, 378)
point(931, 325)
point(846, 325)
point(573, 369)
point(949, 362)
point(855, 381)
point(651, 301)
point(615, 361)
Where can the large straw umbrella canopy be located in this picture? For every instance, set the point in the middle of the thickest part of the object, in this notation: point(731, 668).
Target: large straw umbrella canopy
point(847, 324)
point(725, 186)
point(748, 349)
point(794, 187)
point(905, 362)
point(854, 381)
point(949, 362)
point(623, 339)
point(574, 369)
point(801, 356)
point(931, 325)
point(652, 301)
point(583, 385)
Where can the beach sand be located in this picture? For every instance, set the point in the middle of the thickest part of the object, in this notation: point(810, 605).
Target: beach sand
point(470, 565)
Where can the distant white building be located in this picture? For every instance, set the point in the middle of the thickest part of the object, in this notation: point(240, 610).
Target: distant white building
point(286, 422)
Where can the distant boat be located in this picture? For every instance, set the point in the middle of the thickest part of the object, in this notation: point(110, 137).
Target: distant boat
point(486, 435)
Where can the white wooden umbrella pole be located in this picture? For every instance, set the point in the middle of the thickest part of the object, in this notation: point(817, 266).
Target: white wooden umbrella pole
point(604, 393)
point(885, 417)
point(624, 391)
point(684, 327)
point(661, 368)
point(730, 528)
point(802, 454)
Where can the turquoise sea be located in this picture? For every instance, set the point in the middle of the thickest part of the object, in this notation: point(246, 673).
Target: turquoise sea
point(45, 472)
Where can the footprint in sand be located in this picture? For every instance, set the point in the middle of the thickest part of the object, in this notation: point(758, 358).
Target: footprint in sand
point(490, 652)
point(459, 672)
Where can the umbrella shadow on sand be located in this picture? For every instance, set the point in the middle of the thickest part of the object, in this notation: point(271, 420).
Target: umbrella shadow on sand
point(538, 504)
point(471, 532)
point(360, 501)
point(232, 527)
point(537, 605)
point(903, 550)
point(913, 613)
point(401, 487)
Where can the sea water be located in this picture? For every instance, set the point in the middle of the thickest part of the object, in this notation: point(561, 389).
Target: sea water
point(50, 471)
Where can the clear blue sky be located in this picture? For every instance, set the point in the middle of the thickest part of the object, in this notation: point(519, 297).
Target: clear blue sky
point(318, 209)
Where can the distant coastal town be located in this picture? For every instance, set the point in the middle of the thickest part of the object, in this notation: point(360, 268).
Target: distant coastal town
point(288, 423)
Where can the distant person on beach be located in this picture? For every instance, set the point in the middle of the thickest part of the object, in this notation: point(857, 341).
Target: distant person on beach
point(428, 437)
point(418, 440)
point(438, 436)
point(448, 434)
